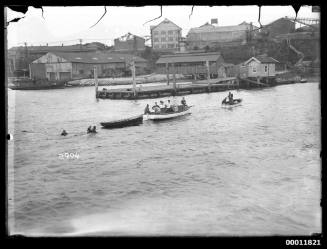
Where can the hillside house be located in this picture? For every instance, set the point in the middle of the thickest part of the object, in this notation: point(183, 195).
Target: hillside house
point(165, 36)
point(130, 43)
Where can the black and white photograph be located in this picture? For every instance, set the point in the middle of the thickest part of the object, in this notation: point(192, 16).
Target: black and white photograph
point(163, 120)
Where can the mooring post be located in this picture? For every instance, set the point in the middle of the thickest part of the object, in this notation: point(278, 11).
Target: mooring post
point(95, 70)
point(167, 72)
point(208, 70)
point(133, 75)
point(208, 75)
point(174, 78)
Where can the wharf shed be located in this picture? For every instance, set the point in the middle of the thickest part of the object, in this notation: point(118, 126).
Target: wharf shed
point(196, 64)
point(19, 58)
point(68, 66)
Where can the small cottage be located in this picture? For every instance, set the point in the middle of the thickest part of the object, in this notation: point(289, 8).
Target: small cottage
point(261, 66)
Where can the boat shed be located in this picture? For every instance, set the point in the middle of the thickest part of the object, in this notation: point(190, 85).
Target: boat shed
point(195, 64)
point(68, 66)
point(261, 66)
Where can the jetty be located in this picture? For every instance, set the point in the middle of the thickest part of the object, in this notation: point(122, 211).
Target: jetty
point(183, 88)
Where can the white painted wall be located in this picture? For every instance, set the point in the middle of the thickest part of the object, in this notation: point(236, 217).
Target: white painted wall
point(256, 69)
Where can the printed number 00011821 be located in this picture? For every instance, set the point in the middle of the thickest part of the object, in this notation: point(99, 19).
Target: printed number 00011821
point(303, 242)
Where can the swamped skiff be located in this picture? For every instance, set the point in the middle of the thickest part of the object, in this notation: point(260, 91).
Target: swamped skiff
point(136, 120)
point(179, 111)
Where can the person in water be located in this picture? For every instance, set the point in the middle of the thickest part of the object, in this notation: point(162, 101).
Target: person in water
point(64, 133)
point(147, 109)
point(89, 129)
point(94, 130)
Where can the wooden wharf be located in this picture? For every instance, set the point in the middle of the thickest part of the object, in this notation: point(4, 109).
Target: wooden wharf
point(145, 92)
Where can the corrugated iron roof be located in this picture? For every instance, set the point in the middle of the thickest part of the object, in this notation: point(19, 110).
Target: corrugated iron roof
point(266, 59)
point(262, 59)
point(188, 57)
point(165, 20)
point(98, 57)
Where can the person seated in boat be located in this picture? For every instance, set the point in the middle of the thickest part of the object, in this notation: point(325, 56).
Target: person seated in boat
point(169, 106)
point(64, 133)
point(183, 102)
point(155, 106)
point(161, 105)
point(147, 109)
point(231, 100)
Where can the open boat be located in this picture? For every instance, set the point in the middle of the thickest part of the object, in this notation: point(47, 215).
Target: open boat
point(132, 121)
point(236, 102)
point(179, 111)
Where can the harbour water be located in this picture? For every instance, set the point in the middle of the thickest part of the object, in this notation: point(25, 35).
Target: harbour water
point(251, 170)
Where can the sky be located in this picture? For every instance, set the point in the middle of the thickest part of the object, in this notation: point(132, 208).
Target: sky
point(65, 25)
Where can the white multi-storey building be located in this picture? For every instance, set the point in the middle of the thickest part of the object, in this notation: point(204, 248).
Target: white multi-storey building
point(166, 35)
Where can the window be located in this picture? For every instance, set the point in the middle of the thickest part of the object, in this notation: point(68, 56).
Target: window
point(170, 32)
point(171, 38)
point(254, 69)
point(177, 32)
point(163, 32)
point(170, 45)
point(81, 71)
point(156, 40)
point(266, 69)
point(163, 39)
point(156, 46)
point(163, 46)
point(155, 33)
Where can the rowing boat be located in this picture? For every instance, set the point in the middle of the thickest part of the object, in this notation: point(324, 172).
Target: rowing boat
point(236, 102)
point(181, 111)
point(132, 121)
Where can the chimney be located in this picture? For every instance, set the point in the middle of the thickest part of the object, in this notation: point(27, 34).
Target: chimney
point(214, 21)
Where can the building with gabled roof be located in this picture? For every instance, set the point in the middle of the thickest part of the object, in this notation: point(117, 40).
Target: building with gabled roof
point(129, 42)
point(165, 36)
point(190, 63)
point(211, 35)
point(261, 66)
point(68, 66)
point(20, 57)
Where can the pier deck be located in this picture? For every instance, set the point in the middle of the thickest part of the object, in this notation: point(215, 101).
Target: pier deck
point(182, 88)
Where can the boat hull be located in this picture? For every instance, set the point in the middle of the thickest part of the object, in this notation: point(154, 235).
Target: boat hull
point(237, 102)
point(164, 116)
point(30, 84)
point(123, 123)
